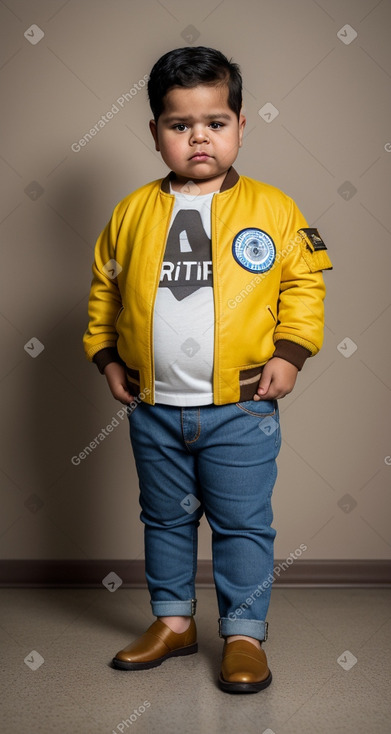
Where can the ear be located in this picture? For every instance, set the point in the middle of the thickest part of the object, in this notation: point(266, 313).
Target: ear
point(153, 129)
point(242, 123)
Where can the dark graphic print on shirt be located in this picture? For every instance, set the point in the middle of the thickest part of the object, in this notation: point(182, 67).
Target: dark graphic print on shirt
point(187, 263)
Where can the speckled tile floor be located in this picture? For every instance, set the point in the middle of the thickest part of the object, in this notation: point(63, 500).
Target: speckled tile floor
point(74, 634)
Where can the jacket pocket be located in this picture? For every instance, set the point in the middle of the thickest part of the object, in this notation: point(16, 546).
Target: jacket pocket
point(269, 310)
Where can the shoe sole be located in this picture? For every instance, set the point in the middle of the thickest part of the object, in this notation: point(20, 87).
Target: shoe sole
point(122, 665)
point(238, 687)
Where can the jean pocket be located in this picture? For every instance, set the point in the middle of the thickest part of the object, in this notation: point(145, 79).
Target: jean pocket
point(259, 408)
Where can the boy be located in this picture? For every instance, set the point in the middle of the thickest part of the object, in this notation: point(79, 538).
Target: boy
point(206, 300)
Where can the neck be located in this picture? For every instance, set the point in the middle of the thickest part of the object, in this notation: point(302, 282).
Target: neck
point(198, 185)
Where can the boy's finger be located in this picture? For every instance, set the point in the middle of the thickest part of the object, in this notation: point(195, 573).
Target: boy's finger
point(126, 392)
point(263, 388)
point(264, 384)
point(123, 395)
point(128, 398)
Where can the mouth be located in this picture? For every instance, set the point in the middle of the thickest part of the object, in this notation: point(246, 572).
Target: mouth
point(200, 156)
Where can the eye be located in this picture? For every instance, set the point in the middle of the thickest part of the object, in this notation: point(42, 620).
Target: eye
point(180, 126)
point(216, 125)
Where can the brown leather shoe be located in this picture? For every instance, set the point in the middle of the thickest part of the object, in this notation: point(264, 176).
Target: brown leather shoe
point(244, 668)
point(157, 644)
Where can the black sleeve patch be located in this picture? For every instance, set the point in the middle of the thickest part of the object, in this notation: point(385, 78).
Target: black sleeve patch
point(312, 239)
point(313, 250)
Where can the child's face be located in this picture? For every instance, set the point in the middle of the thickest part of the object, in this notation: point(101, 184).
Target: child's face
point(198, 135)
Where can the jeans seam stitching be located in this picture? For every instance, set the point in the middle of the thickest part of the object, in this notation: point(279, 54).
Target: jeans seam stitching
point(198, 430)
point(257, 415)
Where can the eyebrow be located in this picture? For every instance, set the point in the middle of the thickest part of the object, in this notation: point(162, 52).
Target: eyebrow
point(215, 116)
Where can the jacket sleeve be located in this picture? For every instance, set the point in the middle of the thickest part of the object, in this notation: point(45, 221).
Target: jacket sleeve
point(299, 331)
point(105, 301)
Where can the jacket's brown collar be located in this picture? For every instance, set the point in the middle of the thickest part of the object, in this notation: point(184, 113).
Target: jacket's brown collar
point(230, 180)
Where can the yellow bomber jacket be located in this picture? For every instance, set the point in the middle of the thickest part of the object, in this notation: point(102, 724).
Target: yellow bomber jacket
point(268, 286)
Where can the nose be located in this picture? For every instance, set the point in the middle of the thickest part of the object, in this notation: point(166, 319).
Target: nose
point(199, 135)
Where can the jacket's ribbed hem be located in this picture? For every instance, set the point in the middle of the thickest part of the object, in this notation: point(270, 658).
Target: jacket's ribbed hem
point(285, 349)
point(292, 352)
point(105, 356)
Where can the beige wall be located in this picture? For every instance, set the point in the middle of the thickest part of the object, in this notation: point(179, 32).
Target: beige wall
point(333, 126)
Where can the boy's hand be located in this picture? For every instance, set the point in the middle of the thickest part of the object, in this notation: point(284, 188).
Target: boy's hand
point(115, 375)
point(278, 379)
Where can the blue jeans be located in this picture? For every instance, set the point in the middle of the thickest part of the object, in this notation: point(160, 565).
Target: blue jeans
point(221, 460)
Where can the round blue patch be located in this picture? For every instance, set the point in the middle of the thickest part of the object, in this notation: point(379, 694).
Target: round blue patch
point(254, 250)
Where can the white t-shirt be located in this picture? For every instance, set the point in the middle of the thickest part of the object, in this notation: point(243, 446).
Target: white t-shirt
point(184, 307)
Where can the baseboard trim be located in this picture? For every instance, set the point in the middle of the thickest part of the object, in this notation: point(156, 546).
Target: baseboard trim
point(89, 574)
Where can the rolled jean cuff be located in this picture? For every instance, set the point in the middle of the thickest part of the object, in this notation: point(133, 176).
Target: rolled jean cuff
point(174, 608)
point(250, 627)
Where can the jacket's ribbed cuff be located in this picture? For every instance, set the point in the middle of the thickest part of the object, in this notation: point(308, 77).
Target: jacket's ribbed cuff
point(105, 356)
point(292, 352)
